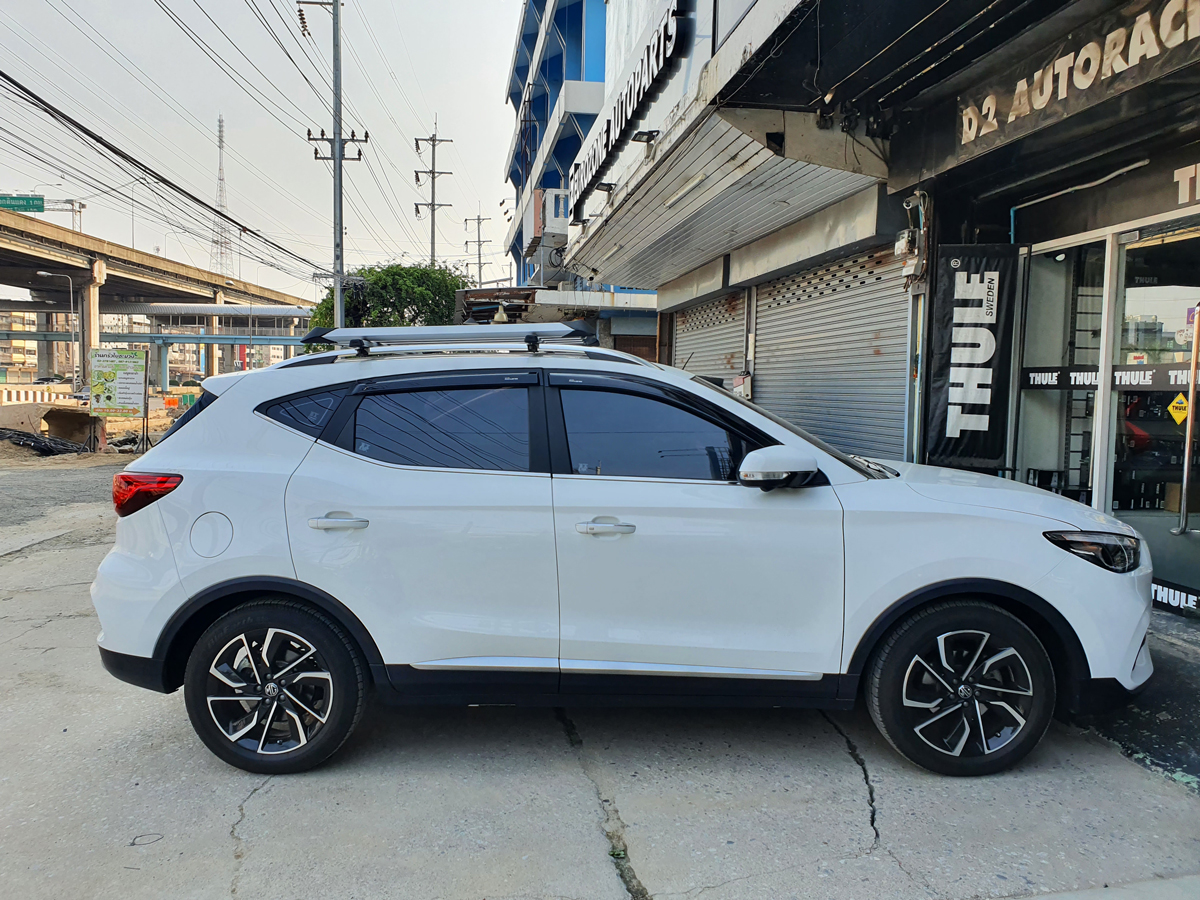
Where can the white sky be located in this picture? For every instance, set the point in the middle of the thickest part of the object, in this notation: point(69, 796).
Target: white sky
point(443, 57)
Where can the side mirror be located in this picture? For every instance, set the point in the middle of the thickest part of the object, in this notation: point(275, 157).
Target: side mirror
point(779, 466)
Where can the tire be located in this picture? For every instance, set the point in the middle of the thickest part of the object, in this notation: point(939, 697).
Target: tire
point(961, 688)
point(291, 661)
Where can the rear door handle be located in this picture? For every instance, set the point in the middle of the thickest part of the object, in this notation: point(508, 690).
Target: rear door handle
point(325, 523)
point(605, 528)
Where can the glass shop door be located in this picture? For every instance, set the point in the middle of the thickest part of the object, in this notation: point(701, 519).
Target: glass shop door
point(1158, 293)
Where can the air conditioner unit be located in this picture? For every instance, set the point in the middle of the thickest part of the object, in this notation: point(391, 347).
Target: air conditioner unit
point(545, 220)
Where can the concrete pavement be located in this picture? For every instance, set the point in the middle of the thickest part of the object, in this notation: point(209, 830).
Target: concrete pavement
point(106, 792)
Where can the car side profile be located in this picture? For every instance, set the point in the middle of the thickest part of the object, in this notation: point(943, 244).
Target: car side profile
point(504, 515)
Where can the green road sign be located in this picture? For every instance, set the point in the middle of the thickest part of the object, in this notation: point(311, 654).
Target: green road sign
point(23, 203)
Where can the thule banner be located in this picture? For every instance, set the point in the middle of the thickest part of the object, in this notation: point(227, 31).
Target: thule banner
point(970, 362)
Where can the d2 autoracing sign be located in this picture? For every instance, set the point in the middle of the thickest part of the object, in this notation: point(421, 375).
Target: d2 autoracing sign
point(118, 383)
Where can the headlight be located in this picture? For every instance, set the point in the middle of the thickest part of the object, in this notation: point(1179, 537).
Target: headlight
point(1115, 552)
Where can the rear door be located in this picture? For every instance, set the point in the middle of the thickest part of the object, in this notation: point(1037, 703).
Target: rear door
point(426, 509)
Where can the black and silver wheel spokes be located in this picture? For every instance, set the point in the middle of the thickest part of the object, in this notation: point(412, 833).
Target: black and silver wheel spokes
point(966, 695)
point(269, 691)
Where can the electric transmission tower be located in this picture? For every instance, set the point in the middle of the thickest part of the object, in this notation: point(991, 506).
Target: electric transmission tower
point(220, 258)
point(478, 242)
point(432, 174)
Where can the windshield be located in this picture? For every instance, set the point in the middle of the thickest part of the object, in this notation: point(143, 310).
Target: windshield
point(862, 466)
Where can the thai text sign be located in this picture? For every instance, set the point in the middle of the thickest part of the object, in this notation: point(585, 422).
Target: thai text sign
point(118, 382)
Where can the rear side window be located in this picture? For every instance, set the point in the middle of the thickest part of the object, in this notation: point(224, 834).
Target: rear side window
point(611, 433)
point(202, 403)
point(309, 413)
point(467, 428)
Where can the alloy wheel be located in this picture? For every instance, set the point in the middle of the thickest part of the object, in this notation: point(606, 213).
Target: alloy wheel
point(966, 694)
point(269, 691)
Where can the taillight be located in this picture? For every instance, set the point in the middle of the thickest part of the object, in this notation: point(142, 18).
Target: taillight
point(134, 490)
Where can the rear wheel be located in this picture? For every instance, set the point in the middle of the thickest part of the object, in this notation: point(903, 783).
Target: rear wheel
point(274, 687)
point(962, 688)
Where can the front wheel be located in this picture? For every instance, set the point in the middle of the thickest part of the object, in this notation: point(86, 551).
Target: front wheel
point(274, 687)
point(962, 688)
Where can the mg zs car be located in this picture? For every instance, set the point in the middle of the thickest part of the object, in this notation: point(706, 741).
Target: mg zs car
point(494, 515)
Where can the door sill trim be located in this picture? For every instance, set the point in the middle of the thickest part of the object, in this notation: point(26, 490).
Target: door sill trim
point(500, 663)
point(607, 667)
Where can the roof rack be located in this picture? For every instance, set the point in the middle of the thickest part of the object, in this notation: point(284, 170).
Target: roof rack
point(442, 335)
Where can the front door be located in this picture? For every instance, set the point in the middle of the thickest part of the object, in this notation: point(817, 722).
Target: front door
point(668, 567)
point(426, 518)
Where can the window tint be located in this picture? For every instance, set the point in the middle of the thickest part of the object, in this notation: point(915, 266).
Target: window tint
point(469, 428)
point(202, 403)
point(624, 434)
point(309, 413)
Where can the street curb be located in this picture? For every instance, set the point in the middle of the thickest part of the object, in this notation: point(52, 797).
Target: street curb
point(1186, 888)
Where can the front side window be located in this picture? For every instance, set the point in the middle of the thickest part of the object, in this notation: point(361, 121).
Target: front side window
point(468, 428)
point(611, 433)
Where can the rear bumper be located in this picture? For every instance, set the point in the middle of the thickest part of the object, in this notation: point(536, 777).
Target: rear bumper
point(145, 672)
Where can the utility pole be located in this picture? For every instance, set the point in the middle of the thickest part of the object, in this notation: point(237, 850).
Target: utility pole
point(478, 242)
point(337, 155)
point(432, 172)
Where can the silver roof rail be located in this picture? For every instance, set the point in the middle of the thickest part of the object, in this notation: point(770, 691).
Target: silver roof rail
point(495, 347)
point(532, 335)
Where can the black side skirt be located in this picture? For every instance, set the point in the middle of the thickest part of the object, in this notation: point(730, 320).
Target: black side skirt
point(419, 687)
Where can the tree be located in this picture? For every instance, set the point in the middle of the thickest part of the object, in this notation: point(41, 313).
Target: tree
point(396, 295)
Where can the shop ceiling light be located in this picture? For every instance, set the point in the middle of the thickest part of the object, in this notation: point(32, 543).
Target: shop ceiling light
point(605, 258)
point(645, 137)
point(692, 184)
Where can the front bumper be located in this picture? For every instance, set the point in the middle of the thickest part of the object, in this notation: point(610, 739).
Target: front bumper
point(145, 672)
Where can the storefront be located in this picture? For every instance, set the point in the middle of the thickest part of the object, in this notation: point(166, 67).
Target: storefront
point(1117, 306)
point(1075, 164)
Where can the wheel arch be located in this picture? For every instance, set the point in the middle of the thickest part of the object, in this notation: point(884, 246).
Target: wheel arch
point(1071, 669)
point(184, 628)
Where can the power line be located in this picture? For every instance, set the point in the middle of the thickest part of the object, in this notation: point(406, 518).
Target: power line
point(61, 117)
point(141, 77)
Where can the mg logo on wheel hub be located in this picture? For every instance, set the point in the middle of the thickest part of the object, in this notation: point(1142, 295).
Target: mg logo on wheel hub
point(272, 690)
point(964, 691)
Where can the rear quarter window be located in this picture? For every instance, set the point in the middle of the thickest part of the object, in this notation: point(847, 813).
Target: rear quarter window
point(203, 402)
point(308, 413)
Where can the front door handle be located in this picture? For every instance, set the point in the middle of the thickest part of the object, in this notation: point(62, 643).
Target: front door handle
point(605, 528)
point(326, 523)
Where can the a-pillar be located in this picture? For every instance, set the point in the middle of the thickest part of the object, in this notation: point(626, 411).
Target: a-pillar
point(89, 302)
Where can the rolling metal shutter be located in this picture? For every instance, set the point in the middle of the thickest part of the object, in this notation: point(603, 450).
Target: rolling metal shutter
point(710, 339)
point(831, 352)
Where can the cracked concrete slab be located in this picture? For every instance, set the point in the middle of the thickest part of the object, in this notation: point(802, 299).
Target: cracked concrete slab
point(465, 803)
point(1073, 814)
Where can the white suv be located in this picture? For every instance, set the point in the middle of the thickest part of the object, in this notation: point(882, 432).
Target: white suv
point(490, 517)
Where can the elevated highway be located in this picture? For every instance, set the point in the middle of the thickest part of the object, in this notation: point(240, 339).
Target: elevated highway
point(110, 278)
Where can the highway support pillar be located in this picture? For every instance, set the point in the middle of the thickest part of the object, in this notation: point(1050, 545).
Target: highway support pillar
point(90, 305)
point(212, 352)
